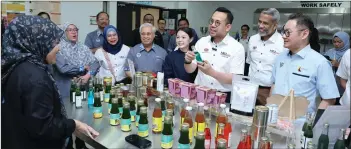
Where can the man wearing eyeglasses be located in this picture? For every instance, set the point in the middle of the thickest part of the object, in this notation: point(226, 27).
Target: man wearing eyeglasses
point(222, 55)
point(95, 39)
point(303, 69)
point(263, 49)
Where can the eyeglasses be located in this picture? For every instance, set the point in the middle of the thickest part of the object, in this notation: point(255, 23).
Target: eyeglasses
point(72, 30)
point(217, 23)
point(287, 32)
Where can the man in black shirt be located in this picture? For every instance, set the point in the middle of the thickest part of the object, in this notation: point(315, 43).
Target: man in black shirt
point(148, 18)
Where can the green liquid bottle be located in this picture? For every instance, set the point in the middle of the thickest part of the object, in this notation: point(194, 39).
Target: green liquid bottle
point(169, 112)
point(72, 93)
point(125, 119)
point(143, 128)
point(114, 113)
point(323, 141)
point(120, 102)
point(112, 95)
point(131, 101)
point(184, 141)
point(200, 140)
point(308, 134)
point(163, 108)
point(137, 116)
point(107, 92)
point(198, 56)
point(167, 133)
point(97, 107)
point(340, 143)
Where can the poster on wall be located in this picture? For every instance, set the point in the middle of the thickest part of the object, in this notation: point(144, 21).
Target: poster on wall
point(165, 14)
point(170, 24)
point(92, 20)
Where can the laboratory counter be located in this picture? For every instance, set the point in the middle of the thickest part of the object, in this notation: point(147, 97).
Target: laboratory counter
point(113, 137)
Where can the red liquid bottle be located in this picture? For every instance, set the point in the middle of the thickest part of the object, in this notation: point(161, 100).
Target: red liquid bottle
point(248, 136)
point(208, 134)
point(242, 143)
point(220, 134)
point(183, 111)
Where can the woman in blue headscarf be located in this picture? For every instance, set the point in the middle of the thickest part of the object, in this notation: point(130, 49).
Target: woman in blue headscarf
point(112, 56)
point(341, 42)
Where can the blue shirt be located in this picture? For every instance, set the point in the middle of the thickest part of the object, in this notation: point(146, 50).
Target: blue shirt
point(147, 61)
point(94, 39)
point(173, 67)
point(307, 72)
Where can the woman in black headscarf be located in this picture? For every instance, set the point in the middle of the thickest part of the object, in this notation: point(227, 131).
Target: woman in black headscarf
point(32, 111)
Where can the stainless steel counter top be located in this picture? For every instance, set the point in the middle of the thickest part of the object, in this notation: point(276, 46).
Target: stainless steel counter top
point(113, 137)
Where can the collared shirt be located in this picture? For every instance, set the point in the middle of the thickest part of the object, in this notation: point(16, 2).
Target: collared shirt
point(166, 37)
point(117, 61)
point(228, 56)
point(344, 73)
point(307, 72)
point(261, 57)
point(94, 39)
point(245, 43)
point(146, 61)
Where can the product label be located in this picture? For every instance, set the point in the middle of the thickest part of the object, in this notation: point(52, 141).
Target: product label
point(109, 107)
point(78, 101)
point(157, 124)
point(199, 127)
point(184, 146)
point(101, 96)
point(120, 110)
point(132, 115)
point(114, 119)
point(137, 117)
point(306, 142)
point(167, 141)
point(97, 112)
point(74, 97)
point(107, 97)
point(207, 144)
point(143, 130)
point(126, 125)
point(163, 115)
point(191, 136)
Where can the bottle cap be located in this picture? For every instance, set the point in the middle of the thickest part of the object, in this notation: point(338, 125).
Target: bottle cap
point(200, 104)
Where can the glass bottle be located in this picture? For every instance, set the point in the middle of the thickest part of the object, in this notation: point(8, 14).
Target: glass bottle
point(143, 127)
point(157, 117)
point(107, 92)
point(184, 141)
point(248, 136)
point(199, 119)
point(308, 134)
point(101, 89)
point(97, 107)
point(189, 119)
point(183, 111)
point(120, 102)
point(112, 95)
point(125, 119)
point(221, 144)
point(132, 107)
point(228, 130)
point(170, 105)
point(167, 133)
point(269, 138)
point(91, 94)
point(340, 143)
point(220, 134)
point(163, 108)
point(72, 94)
point(114, 113)
point(137, 116)
point(79, 97)
point(208, 136)
point(323, 141)
point(169, 112)
point(83, 92)
point(221, 118)
point(146, 98)
point(263, 144)
point(200, 140)
point(242, 144)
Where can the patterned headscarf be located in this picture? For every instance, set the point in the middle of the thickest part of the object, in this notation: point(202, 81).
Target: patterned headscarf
point(29, 38)
point(112, 49)
point(76, 53)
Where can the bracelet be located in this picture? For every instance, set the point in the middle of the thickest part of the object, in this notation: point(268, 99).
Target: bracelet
point(185, 62)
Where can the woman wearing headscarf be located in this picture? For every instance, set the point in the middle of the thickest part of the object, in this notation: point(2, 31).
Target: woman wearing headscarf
point(32, 111)
point(73, 59)
point(341, 44)
point(112, 56)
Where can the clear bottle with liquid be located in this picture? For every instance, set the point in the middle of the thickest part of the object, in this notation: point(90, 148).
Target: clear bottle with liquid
point(184, 141)
point(221, 118)
point(167, 133)
point(72, 94)
point(183, 110)
point(143, 127)
point(97, 108)
point(131, 101)
point(137, 116)
point(189, 119)
point(126, 118)
point(169, 112)
point(114, 113)
point(199, 119)
point(157, 117)
point(79, 97)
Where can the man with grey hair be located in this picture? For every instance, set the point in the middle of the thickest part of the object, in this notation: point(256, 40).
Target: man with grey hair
point(263, 49)
point(146, 56)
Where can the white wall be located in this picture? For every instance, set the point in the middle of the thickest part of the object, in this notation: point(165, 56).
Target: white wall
point(78, 13)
